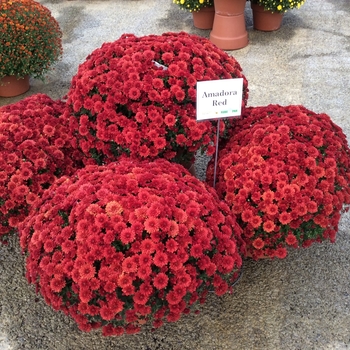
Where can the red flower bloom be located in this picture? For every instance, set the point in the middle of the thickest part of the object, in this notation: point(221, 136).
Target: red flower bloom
point(258, 243)
point(129, 265)
point(140, 298)
point(151, 225)
point(268, 226)
point(291, 239)
point(87, 271)
point(127, 235)
point(160, 259)
point(281, 173)
point(31, 160)
point(281, 253)
point(160, 281)
point(126, 80)
point(94, 228)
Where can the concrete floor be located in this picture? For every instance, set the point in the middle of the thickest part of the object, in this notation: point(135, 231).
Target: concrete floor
point(302, 302)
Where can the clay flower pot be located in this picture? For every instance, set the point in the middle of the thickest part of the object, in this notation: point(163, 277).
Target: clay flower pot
point(204, 18)
point(266, 20)
point(11, 86)
point(229, 28)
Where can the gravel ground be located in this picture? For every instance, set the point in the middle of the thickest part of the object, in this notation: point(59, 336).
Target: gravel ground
point(301, 302)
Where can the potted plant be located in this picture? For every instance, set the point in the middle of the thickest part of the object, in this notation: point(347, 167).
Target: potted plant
point(34, 151)
point(202, 11)
point(137, 96)
point(30, 42)
point(285, 173)
point(268, 14)
point(129, 243)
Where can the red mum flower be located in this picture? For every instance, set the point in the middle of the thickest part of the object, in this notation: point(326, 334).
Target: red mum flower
point(87, 271)
point(271, 209)
point(101, 219)
point(268, 226)
point(174, 229)
point(160, 281)
point(285, 218)
point(255, 221)
point(301, 209)
point(124, 280)
point(144, 271)
point(159, 143)
point(184, 279)
point(110, 287)
point(197, 250)
point(318, 171)
point(160, 259)
point(258, 243)
point(147, 246)
point(113, 208)
point(141, 298)
point(246, 215)
point(127, 235)
point(281, 253)
point(129, 265)
point(57, 284)
point(291, 239)
point(170, 120)
point(266, 179)
point(173, 297)
point(181, 139)
point(151, 225)
point(107, 313)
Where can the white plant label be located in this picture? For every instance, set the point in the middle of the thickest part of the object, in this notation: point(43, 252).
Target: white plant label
point(218, 99)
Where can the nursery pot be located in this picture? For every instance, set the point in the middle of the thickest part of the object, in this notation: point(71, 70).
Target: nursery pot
point(229, 29)
point(204, 18)
point(265, 20)
point(11, 86)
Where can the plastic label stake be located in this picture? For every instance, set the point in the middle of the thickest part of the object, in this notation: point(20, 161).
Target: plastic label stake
point(218, 99)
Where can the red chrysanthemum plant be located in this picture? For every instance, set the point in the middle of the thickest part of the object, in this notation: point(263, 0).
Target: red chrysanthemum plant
point(285, 174)
point(30, 39)
point(137, 96)
point(34, 151)
point(119, 245)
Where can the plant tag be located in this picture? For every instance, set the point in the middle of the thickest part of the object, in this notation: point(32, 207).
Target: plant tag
point(158, 65)
point(218, 99)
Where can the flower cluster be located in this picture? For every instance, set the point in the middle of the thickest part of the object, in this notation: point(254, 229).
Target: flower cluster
point(193, 5)
point(285, 174)
point(30, 38)
point(119, 245)
point(279, 5)
point(137, 96)
point(34, 151)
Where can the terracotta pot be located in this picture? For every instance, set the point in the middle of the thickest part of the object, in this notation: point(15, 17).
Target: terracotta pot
point(192, 170)
point(229, 28)
point(11, 86)
point(266, 20)
point(204, 18)
point(190, 167)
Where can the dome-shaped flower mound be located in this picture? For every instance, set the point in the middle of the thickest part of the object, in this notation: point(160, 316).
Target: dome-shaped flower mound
point(285, 173)
point(118, 245)
point(30, 38)
point(34, 151)
point(137, 96)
